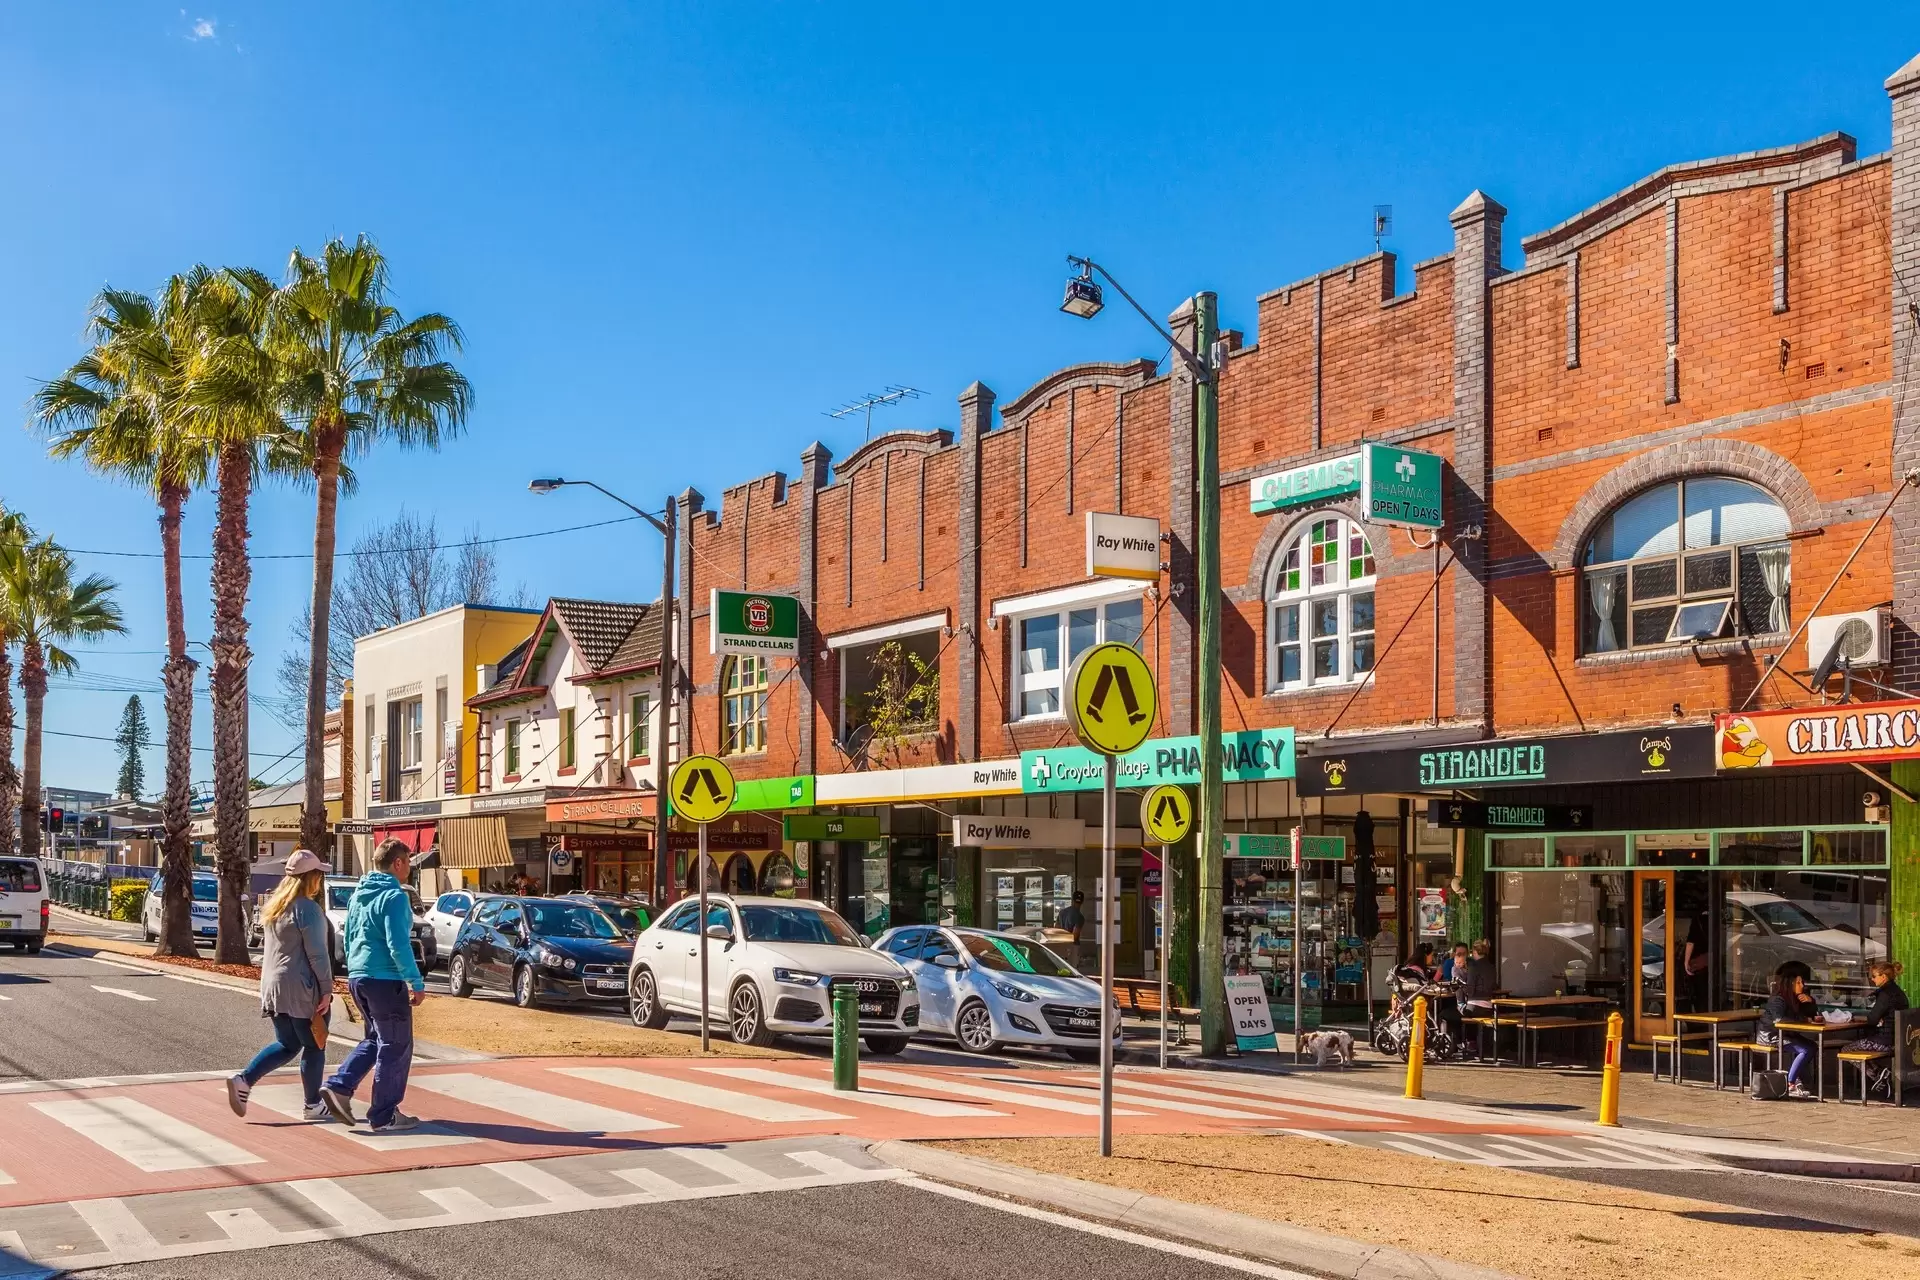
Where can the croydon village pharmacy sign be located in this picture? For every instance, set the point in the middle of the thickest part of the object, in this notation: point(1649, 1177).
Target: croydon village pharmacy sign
point(1252, 756)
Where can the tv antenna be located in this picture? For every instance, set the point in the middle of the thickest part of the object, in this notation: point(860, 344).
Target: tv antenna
point(1382, 224)
point(865, 404)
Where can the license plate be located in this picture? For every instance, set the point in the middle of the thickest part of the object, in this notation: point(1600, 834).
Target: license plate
point(607, 984)
point(1084, 1024)
point(6, 924)
point(870, 1007)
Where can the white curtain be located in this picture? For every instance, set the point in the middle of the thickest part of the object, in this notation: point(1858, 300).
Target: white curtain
point(1776, 567)
point(1603, 590)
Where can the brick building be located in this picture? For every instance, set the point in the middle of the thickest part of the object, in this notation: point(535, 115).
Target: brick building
point(1678, 425)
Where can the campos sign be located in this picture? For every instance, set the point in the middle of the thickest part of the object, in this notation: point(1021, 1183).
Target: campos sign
point(1818, 735)
point(753, 622)
point(1123, 546)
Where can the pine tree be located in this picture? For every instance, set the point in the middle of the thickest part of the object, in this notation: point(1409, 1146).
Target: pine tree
point(132, 739)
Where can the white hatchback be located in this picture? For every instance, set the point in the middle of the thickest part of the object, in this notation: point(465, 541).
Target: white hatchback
point(23, 904)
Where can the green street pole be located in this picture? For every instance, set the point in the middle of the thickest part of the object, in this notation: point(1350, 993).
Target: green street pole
point(1210, 847)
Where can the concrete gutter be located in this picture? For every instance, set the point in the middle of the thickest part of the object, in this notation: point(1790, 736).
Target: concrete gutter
point(1275, 1242)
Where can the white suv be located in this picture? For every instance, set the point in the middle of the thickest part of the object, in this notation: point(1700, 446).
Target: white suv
point(23, 904)
point(772, 964)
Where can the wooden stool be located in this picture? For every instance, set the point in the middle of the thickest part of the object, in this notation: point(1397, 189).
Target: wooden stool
point(1861, 1058)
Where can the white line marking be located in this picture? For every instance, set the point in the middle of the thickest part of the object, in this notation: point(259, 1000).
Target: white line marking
point(1415, 1149)
point(6, 997)
point(461, 1205)
point(551, 1109)
point(355, 1216)
point(1511, 1155)
point(1072, 1106)
point(1249, 1094)
point(176, 977)
point(245, 1225)
point(1111, 1233)
point(107, 1082)
point(1643, 1157)
point(554, 1190)
point(290, 1100)
point(114, 1223)
point(122, 991)
point(651, 1181)
point(1474, 1155)
point(149, 1140)
point(821, 1162)
point(872, 1098)
point(706, 1096)
point(727, 1166)
point(1162, 1104)
point(1559, 1153)
point(1323, 1137)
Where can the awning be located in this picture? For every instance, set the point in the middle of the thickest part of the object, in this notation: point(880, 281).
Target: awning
point(417, 836)
point(471, 843)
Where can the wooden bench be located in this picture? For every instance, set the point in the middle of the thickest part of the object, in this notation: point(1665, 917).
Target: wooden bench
point(1744, 1052)
point(1861, 1058)
point(1676, 1046)
point(1564, 1023)
point(1481, 1023)
point(1140, 998)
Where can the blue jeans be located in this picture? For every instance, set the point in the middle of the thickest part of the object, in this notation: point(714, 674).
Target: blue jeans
point(295, 1040)
point(388, 1049)
point(1800, 1048)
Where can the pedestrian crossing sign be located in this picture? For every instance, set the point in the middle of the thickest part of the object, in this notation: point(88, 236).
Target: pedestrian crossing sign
point(701, 789)
point(1167, 814)
point(1111, 698)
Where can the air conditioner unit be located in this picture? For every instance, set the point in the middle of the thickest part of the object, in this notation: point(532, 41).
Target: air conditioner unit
point(1865, 638)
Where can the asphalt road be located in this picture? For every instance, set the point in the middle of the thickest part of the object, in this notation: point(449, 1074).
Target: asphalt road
point(1822, 1205)
point(877, 1230)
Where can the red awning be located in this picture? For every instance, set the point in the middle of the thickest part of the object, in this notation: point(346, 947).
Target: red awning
point(417, 836)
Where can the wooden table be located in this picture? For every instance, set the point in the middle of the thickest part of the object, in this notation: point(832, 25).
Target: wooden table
point(1714, 1021)
point(1819, 1031)
point(1527, 1005)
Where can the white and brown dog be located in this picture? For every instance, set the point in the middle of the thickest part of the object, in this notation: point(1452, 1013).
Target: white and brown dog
point(1329, 1045)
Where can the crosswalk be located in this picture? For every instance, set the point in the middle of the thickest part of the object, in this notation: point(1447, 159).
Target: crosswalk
point(1518, 1152)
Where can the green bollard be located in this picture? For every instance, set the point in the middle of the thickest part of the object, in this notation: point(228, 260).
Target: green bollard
point(846, 1039)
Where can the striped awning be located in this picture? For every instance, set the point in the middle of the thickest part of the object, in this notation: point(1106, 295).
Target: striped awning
point(471, 843)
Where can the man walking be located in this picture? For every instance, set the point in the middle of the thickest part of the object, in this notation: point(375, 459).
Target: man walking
point(386, 985)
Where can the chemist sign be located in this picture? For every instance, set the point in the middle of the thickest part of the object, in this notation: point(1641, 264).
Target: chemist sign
point(1400, 487)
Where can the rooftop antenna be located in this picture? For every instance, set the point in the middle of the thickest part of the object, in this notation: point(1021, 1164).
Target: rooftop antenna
point(1382, 224)
point(864, 405)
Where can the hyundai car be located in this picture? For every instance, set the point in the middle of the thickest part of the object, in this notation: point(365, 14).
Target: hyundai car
point(541, 950)
point(989, 989)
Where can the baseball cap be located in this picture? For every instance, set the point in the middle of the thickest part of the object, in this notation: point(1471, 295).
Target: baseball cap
point(302, 861)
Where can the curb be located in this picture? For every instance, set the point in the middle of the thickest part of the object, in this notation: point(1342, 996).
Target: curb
point(1203, 1225)
point(1861, 1170)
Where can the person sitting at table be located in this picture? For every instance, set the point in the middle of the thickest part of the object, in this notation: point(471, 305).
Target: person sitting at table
point(1788, 1001)
point(1453, 968)
point(1888, 999)
point(1478, 981)
point(1419, 965)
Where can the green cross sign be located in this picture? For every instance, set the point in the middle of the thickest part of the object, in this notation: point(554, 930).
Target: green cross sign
point(1401, 487)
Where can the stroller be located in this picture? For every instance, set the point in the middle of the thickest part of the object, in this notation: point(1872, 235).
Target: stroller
point(1393, 1033)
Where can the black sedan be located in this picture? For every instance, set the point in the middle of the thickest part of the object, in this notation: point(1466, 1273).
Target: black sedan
point(558, 950)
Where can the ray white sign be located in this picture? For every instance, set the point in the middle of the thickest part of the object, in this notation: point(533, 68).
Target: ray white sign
point(1019, 833)
point(1123, 546)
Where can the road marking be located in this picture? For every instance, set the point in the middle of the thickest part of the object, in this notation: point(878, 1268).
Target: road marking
point(553, 1190)
point(1559, 1153)
point(122, 991)
point(176, 977)
point(729, 1167)
point(245, 1226)
point(114, 1223)
point(1255, 1095)
point(1479, 1157)
point(649, 1180)
point(872, 1098)
point(461, 1205)
point(1162, 1104)
point(107, 1082)
point(290, 1100)
point(1197, 1095)
point(1320, 1136)
point(149, 1140)
point(1475, 1155)
point(6, 997)
point(965, 1089)
point(551, 1109)
point(1642, 1157)
point(693, 1094)
point(821, 1162)
point(350, 1211)
point(1221, 1260)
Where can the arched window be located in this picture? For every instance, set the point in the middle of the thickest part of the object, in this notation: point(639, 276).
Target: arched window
point(1683, 562)
point(1320, 607)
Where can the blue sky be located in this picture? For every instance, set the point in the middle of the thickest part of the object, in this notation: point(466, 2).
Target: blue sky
point(676, 234)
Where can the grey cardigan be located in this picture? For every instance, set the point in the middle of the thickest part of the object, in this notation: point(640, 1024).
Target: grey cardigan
point(294, 971)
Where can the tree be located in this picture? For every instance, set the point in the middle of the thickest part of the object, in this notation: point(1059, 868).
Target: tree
point(122, 409)
point(902, 699)
point(46, 608)
point(353, 373)
point(132, 738)
point(13, 531)
point(395, 573)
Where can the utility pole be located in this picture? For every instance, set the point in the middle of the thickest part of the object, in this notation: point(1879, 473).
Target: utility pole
point(1210, 848)
point(662, 856)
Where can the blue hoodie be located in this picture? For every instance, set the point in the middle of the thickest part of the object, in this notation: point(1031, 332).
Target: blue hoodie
point(379, 931)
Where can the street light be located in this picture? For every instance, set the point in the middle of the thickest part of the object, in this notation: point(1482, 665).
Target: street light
point(1083, 299)
point(664, 698)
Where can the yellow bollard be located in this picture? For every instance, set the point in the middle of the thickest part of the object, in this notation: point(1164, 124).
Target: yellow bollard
point(1417, 1048)
point(1610, 1074)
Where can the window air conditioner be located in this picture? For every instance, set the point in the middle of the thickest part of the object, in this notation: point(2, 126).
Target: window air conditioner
point(1863, 637)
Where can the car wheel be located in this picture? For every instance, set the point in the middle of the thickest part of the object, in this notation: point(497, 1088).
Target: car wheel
point(458, 982)
point(745, 1017)
point(886, 1046)
point(974, 1028)
point(33, 948)
point(148, 931)
point(1084, 1055)
point(643, 1002)
point(523, 986)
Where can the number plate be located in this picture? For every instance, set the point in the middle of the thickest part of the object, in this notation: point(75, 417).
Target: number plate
point(6, 924)
point(608, 984)
point(870, 1007)
point(1084, 1024)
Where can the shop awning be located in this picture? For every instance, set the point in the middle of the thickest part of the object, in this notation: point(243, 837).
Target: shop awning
point(417, 836)
point(472, 843)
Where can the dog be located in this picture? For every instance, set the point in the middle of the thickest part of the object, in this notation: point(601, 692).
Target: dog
point(1328, 1045)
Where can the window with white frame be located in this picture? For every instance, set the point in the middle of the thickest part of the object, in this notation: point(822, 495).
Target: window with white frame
point(1320, 607)
point(1047, 644)
point(412, 733)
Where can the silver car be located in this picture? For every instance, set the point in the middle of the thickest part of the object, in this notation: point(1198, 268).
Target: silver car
point(988, 989)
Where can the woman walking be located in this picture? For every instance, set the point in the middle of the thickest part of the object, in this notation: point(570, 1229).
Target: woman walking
point(296, 985)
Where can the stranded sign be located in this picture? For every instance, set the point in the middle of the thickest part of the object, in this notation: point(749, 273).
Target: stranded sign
point(1818, 735)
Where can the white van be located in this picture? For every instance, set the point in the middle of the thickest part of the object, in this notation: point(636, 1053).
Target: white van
point(23, 904)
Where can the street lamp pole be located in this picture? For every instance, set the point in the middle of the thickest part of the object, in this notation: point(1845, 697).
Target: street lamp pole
point(1084, 299)
point(663, 699)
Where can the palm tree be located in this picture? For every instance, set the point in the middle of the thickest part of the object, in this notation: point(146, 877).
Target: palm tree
point(46, 608)
point(352, 373)
point(121, 408)
point(13, 532)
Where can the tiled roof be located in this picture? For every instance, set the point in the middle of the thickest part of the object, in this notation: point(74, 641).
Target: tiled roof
point(641, 648)
point(597, 627)
point(508, 667)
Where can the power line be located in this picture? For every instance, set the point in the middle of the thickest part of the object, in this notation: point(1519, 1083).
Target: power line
point(95, 737)
point(380, 551)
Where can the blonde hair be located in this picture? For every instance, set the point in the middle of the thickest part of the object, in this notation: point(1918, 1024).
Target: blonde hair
point(1891, 968)
point(281, 900)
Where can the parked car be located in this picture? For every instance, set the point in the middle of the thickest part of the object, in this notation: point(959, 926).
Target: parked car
point(772, 967)
point(1765, 930)
point(559, 950)
point(23, 904)
point(448, 912)
point(339, 892)
point(630, 913)
point(986, 988)
point(205, 906)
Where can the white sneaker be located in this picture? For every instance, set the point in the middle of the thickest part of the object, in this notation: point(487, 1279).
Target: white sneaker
point(316, 1111)
point(401, 1123)
point(237, 1092)
point(1798, 1091)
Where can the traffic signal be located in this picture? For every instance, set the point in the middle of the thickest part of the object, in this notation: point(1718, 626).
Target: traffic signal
point(55, 820)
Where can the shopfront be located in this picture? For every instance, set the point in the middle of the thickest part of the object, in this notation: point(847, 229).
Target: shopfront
point(607, 837)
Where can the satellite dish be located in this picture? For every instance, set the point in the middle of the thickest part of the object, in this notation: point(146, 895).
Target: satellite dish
point(1853, 641)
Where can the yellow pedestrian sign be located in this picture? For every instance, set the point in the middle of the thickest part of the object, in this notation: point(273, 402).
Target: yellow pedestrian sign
point(1167, 814)
point(701, 789)
point(1111, 698)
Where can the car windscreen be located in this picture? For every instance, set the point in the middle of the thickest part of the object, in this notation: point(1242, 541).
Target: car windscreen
point(569, 920)
point(206, 889)
point(338, 896)
point(19, 875)
point(1015, 955)
point(797, 924)
point(1784, 917)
